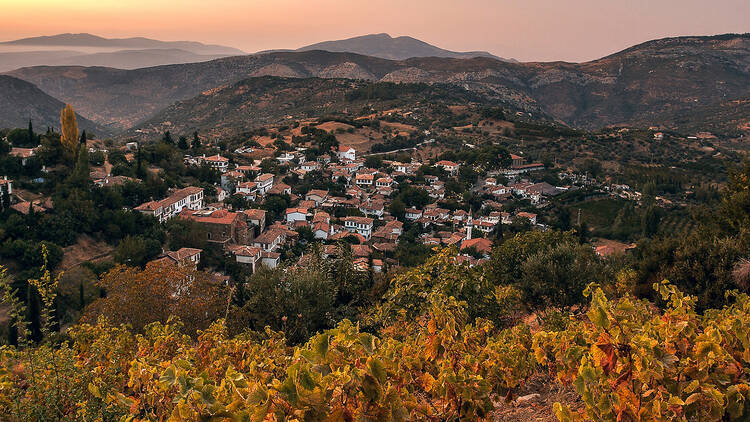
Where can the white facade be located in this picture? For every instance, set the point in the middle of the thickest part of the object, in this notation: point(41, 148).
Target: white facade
point(347, 154)
point(360, 225)
point(265, 183)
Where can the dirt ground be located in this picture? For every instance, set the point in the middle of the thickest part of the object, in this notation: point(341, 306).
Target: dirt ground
point(360, 139)
point(86, 249)
point(333, 126)
point(400, 127)
point(538, 408)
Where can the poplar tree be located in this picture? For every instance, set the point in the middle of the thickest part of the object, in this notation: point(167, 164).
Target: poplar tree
point(69, 137)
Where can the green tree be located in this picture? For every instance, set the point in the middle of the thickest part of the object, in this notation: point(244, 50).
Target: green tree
point(32, 138)
point(186, 234)
point(650, 221)
point(182, 143)
point(397, 208)
point(167, 138)
point(408, 292)
point(136, 251)
point(506, 262)
point(300, 301)
point(80, 175)
point(196, 144)
point(557, 277)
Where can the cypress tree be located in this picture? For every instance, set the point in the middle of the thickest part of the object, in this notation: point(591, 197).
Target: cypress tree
point(138, 166)
point(182, 143)
point(31, 134)
point(80, 174)
point(83, 138)
point(168, 138)
point(196, 141)
point(80, 296)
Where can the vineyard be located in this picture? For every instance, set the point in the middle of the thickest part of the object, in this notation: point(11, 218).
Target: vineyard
point(626, 359)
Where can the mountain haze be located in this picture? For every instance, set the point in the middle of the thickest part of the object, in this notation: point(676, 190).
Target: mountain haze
point(92, 50)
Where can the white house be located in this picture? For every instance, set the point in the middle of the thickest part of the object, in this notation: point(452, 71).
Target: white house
point(321, 230)
point(247, 189)
point(221, 194)
point(265, 183)
point(372, 208)
point(448, 166)
point(346, 153)
point(295, 214)
point(364, 180)
point(270, 259)
point(361, 225)
point(310, 166)
point(316, 195)
point(217, 162)
point(188, 198)
point(531, 217)
point(248, 255)
point(413, 214)
point(270, 240)
point(23, 153)
point(384, 182)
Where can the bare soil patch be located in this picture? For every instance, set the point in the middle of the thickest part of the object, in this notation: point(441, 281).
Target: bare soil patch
point(85, 250)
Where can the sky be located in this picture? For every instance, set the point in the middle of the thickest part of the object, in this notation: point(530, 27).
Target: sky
point(527, 30)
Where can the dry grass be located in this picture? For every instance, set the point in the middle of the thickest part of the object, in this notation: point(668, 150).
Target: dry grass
point(741, 274)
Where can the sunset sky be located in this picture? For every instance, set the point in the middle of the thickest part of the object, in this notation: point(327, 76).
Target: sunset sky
point(527, 30)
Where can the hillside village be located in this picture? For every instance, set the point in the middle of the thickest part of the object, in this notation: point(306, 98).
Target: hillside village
point(281, 190)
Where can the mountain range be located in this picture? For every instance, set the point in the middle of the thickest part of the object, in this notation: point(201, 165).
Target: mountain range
point(654, 83)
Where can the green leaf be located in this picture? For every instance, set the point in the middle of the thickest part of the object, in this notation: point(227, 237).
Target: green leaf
point(94, 390)
point(371, 388)
point(377, 370)
point(168, 377)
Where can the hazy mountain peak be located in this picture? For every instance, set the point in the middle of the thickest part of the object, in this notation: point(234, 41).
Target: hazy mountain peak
point(385, 46)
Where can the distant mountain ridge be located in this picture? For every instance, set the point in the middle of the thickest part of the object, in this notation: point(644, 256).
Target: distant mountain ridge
point(386, 47)
point(121, 59)
point(93, 50)
point(21, 101)
point(134, 43)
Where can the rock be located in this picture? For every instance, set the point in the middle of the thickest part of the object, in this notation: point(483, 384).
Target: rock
point(528, 399)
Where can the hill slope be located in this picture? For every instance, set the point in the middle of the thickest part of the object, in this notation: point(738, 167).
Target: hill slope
point(21, 101)
point(386, 47)
point(648, 84)
point(255, 102)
